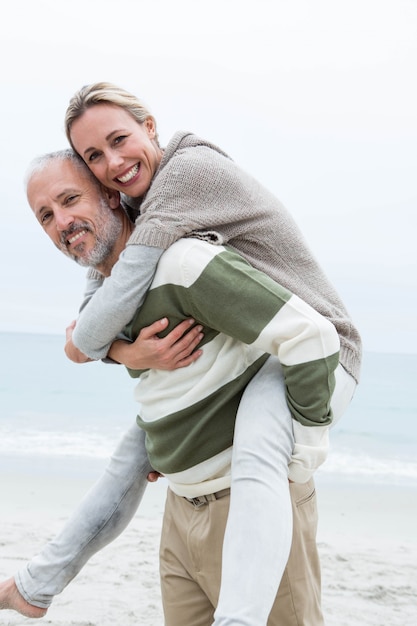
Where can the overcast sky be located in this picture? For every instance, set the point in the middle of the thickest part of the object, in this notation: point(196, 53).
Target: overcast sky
point(316, 98)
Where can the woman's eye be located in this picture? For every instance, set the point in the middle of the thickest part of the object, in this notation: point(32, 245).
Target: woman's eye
point(119, 139)
point(93, 156)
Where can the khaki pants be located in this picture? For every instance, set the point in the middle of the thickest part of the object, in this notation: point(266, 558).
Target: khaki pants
point(190, 562)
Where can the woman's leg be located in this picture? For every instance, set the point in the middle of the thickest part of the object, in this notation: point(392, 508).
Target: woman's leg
point(259, 528)
point(102, 515)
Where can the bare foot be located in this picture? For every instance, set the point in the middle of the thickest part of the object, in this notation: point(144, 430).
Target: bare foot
point(10, 598)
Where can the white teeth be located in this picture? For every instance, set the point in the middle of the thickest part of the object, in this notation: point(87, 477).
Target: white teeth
point(77, 236)
point(129, 175)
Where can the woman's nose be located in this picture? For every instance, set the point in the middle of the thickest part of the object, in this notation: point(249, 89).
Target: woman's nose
point(114, 160)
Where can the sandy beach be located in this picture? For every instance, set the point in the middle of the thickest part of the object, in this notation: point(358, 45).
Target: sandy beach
point(367, 540)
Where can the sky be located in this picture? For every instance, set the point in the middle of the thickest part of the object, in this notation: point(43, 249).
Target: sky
point(316, 98)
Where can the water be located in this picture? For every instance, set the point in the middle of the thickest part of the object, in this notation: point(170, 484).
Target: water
point(55, 415)
point(52, 409)
point(377, 437)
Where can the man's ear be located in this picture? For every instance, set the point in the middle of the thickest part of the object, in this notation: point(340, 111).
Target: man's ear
point(113, 197)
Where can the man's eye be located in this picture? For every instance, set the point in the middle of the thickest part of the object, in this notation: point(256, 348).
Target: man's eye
point(45, 217)
point(70, 199)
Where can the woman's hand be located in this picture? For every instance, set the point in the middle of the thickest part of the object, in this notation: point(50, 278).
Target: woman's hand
point(149, 351)
point(71, 351)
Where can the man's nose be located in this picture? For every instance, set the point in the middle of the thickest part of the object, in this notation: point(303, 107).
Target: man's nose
point(63, 219)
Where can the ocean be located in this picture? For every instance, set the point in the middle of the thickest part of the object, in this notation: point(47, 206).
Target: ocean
point(71, 416)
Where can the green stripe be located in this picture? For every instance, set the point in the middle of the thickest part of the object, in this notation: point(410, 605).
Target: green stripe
point(220, 286)
point(211, 301)
point(315, 410)
point(169, 301)
point(188, 437)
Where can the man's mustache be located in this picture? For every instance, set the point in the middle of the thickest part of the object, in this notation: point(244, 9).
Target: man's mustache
point(66, 234)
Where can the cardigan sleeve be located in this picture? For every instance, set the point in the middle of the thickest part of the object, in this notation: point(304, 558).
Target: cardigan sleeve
point(106, 312)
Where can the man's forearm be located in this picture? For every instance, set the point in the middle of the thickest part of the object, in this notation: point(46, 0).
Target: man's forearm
point(119, 351)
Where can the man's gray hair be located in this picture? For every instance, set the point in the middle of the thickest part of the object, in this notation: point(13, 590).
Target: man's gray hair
point(38, 164)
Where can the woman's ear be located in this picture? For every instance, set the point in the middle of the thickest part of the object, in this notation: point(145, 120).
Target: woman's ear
point(150, 127)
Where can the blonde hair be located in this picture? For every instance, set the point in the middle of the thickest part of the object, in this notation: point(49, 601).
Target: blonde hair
point(105, 93)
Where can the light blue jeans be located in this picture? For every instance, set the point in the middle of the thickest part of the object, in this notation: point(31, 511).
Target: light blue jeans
point(101, 516)
point(258, 534)
point(259, 527)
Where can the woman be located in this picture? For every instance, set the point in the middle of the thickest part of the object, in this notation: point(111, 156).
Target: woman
point(187, 189)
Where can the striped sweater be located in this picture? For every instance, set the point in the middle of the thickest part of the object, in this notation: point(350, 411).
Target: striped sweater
point(189, 414)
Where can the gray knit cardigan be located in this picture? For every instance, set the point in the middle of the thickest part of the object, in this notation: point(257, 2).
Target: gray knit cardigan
point(197, 187)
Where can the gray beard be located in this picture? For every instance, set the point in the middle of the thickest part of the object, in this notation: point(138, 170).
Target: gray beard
point(107, 233)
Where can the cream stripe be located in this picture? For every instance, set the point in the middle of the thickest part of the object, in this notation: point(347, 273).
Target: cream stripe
point(300, 322)
point(171, 265)
point(206, 477)
point(223, 360)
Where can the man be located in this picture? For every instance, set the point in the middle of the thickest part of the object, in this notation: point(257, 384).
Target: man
point(188, 418)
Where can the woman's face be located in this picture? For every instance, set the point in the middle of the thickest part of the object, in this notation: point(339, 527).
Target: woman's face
point(120, 152)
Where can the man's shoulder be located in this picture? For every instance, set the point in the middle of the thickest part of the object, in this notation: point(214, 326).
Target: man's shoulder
point(186, 259)
point(188, 249)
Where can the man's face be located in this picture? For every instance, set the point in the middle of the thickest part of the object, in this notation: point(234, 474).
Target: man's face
point(74, 213)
